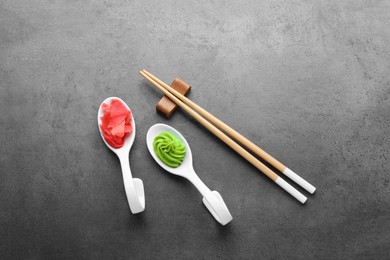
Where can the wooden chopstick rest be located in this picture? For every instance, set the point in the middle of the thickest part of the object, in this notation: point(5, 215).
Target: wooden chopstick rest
point(165, 106)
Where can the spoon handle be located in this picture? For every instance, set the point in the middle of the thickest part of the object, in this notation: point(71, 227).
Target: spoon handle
point(212, 200)
point(198, 183)
point(134, 187)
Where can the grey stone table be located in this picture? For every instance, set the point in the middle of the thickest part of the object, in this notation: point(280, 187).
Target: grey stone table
point(306, 80)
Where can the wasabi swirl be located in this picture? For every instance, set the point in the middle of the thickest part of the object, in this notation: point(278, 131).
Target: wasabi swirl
point(169, 149)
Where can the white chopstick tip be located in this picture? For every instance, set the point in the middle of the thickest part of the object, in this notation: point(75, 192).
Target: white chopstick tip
point(299, 180)
point(290, 189)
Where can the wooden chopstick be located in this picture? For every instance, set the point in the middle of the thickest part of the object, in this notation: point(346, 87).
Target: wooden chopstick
point(237, 136)
point(227, 140)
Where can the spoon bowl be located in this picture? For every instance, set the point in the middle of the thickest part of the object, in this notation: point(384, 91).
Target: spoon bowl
point(134, 187)
point(129, 140)
point(187, 162)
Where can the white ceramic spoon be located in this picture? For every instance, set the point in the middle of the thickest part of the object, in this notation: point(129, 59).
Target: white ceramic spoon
point(134, 187)
point(211, 199)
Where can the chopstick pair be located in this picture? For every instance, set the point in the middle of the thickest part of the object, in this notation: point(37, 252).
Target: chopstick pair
point(203, 117)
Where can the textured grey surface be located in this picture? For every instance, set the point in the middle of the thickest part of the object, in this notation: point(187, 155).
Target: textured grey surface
point(308, 82)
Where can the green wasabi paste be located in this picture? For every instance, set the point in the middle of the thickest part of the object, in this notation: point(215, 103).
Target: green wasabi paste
point(169, 149)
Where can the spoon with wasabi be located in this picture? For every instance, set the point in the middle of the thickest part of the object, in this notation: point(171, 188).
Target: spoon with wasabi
point(172, 152)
